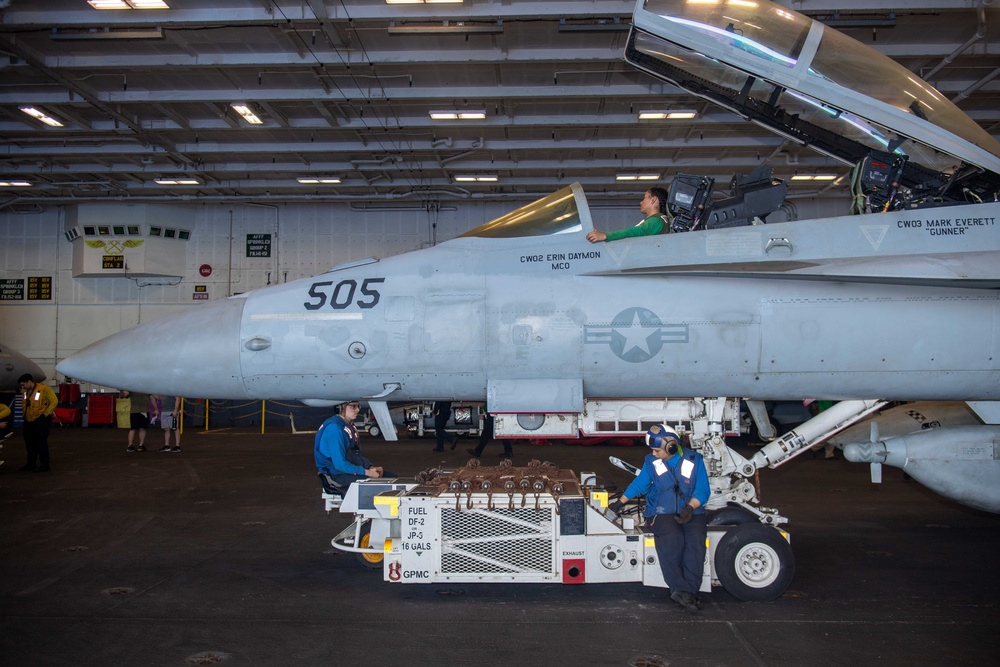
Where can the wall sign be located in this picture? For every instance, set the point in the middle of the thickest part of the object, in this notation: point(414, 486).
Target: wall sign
point(12, 289)
point(40, 288)
point(258, 245)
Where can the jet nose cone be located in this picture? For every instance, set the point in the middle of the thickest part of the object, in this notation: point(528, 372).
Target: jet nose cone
point(192, 353)
point(13, 365)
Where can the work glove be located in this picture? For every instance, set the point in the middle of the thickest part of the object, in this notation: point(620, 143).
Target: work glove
point(615, 506)
point(685, 515)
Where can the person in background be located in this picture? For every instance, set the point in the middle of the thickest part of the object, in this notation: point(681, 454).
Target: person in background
point(487, 435)
point(155, 404)
point(170, 414)
point(675, 483)
point(657, 220)
point(138, 419)
point(5, 430)
point(442, 413)
point(38, 402)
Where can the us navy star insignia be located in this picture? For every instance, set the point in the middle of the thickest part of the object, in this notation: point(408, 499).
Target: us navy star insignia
point(635, 334)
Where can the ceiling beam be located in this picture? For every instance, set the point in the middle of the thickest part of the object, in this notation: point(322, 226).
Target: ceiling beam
point(11, 44)
point(29, 14)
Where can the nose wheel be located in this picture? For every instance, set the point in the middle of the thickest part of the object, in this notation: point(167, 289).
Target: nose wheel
point(754, 562)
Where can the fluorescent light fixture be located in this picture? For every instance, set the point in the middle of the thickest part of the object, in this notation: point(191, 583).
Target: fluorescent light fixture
point(180, 180)
point(45, 118)
point(128, 4)
point(421, 2)
point(14, 184)
point(65, 35)
point(814, 177)
point(474, 178)
point(318, 180)
point(667, 114)
point(458, 114)
point(248, 114)
point(637, 177)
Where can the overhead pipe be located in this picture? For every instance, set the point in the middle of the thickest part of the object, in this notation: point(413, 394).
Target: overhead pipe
point(229, 279)
point(976, 86)
point(366, 208)
point(378, 162)
point(978, 35)
point(277, 236)
point(457, 156)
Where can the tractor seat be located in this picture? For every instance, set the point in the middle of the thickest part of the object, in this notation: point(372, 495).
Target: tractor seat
point(333, 493)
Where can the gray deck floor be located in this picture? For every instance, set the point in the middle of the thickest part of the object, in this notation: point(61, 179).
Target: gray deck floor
point(222, 554)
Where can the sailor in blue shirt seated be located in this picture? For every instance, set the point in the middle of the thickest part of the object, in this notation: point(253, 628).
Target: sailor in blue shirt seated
point(337, 451)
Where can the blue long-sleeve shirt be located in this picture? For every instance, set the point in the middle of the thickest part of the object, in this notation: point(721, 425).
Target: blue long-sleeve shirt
point(669, 486)
point(337, 449)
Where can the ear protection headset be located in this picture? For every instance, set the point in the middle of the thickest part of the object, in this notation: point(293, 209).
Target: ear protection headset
point(663, 436)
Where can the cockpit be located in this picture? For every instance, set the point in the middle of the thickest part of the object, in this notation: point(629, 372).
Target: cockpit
point(910, 147)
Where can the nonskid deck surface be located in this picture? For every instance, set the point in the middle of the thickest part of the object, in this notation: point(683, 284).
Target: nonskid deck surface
point(222, 552)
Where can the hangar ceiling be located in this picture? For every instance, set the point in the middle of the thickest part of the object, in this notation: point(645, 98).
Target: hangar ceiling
point(344, 89)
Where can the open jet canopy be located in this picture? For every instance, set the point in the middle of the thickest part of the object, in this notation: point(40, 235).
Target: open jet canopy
point(562, 212)
point(811, 84)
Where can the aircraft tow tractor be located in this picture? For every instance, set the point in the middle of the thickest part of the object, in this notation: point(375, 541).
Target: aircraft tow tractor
point(545, 524)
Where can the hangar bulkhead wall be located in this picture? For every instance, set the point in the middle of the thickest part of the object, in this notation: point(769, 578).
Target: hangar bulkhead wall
point(55, 300)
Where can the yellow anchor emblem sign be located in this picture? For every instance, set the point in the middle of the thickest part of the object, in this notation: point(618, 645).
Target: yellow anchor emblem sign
point(113, 250)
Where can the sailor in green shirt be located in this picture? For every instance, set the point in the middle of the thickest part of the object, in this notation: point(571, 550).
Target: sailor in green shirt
point(657, 220)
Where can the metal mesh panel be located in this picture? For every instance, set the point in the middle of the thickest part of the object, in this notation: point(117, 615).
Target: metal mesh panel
point(519, 541)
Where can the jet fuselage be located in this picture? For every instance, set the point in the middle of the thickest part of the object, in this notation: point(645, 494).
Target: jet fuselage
point(769, 311)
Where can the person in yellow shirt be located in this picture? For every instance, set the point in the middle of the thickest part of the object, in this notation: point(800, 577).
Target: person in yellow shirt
point(38, 402)
point(5, 430)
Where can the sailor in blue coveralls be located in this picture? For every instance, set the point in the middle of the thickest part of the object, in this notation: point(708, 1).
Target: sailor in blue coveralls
point(337, 451)
point(675, 483)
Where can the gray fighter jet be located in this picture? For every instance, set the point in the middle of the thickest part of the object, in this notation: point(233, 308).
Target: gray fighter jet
point(562, 337)
point(13, 365)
